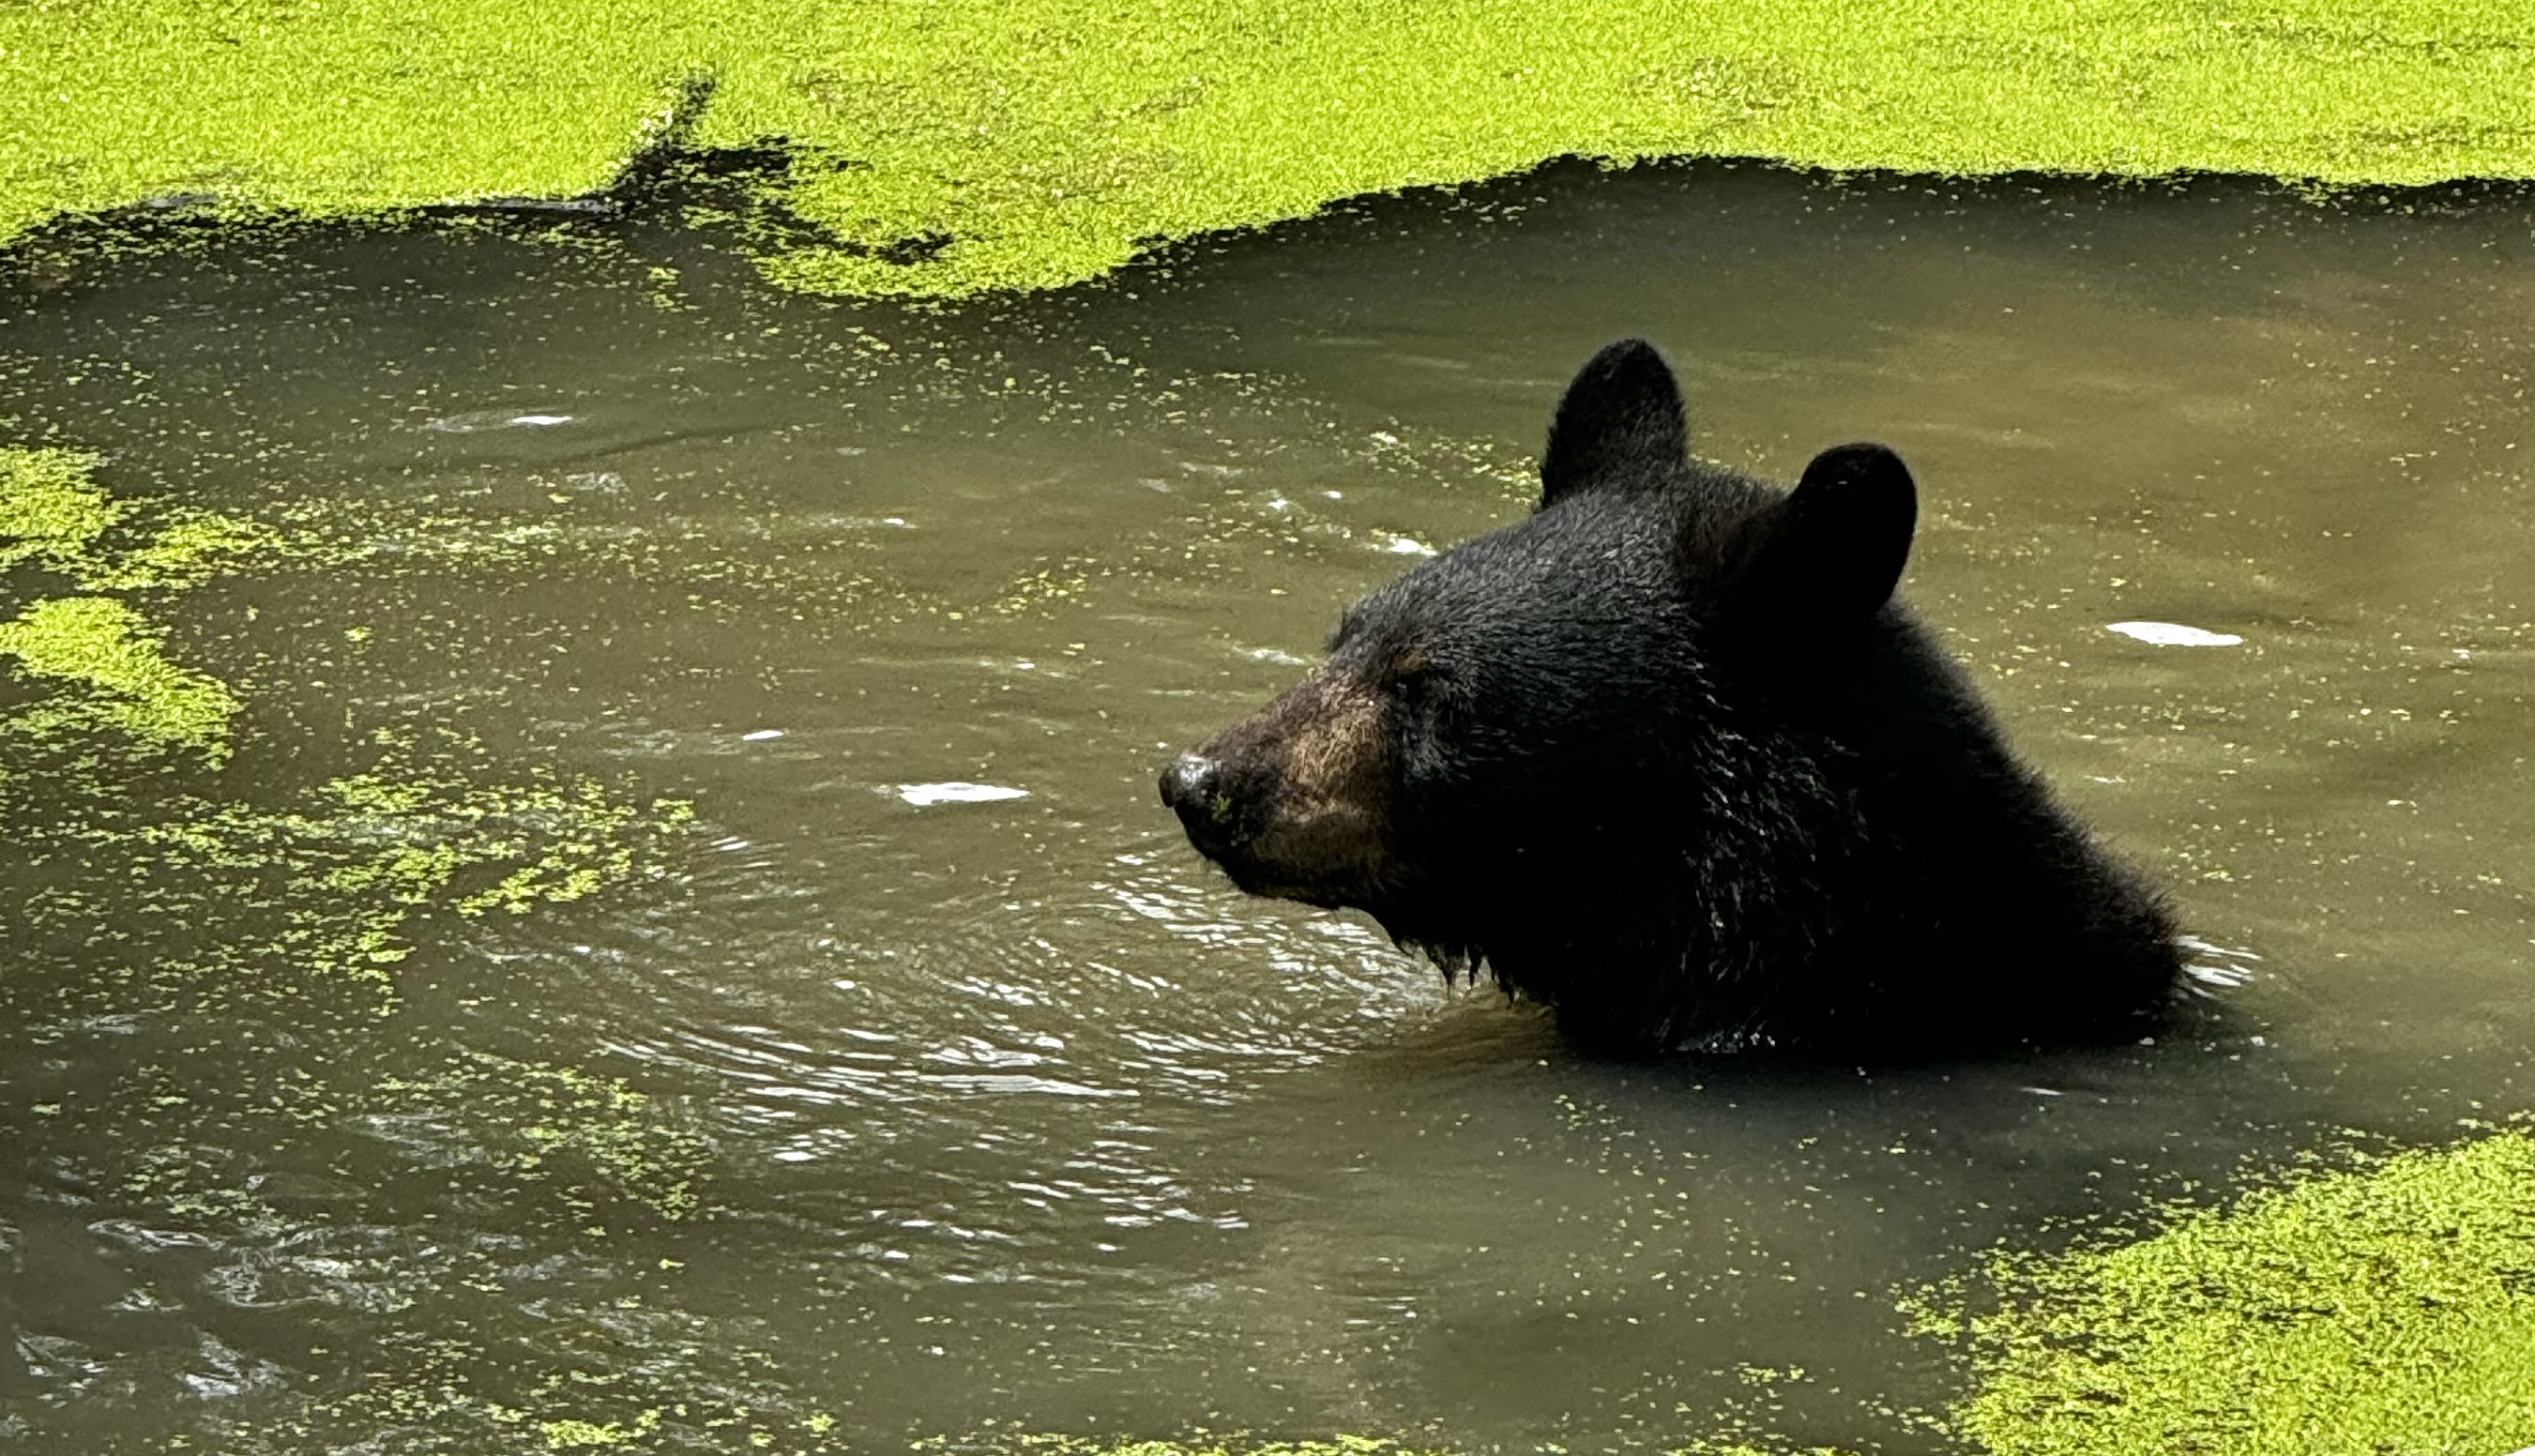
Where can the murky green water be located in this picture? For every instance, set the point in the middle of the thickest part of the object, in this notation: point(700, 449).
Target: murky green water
point(426, 1077)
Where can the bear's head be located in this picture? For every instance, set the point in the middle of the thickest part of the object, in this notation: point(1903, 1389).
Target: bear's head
point(1669, 756)
point(1522, 732)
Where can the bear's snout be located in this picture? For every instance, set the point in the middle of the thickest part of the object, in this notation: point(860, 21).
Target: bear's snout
point(1192, 786)
point(1293, 801)
point(1191, 779)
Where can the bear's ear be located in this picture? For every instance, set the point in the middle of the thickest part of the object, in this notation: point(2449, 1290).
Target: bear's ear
point(1830, 554)
point(1620, 423)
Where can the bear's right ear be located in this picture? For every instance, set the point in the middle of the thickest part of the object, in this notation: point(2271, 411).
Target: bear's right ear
point(1619, 424)
point(1831, 554)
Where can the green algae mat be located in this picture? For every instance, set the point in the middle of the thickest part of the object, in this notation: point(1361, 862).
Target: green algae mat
point(934, 149)
point(2384, 1308)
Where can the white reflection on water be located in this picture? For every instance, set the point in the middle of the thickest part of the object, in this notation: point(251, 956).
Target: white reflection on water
point(2173, 635)
point(924, 796)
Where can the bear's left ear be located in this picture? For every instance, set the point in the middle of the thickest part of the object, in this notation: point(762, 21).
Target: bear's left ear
point(1620, 423)
point(1830, 553)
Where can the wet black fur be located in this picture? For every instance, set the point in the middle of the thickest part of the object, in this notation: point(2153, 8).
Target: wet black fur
point(1670, 757)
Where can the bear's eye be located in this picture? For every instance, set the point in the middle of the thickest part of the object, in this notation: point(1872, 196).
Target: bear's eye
point(1415, 674)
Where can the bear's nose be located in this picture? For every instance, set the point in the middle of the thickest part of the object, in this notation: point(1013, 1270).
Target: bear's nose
point(1191, 781)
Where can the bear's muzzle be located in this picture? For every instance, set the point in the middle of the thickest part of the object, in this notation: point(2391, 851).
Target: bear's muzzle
point(1293, 802)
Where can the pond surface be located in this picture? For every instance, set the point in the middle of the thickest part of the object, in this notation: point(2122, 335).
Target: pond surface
point(421, 1076)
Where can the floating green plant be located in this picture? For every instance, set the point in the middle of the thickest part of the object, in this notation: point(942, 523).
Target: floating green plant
point(189, 548)
point(1200, 1444)
point(324, 884)
point(54, 516)
point(573, 1434)
point(329, 887)
point(936, 149)
point(243, 932)
point(50, 513)
point(114, 662)
point(2383, 1308)
point(626, 1374)
point(104, 658)
point(585, 1135)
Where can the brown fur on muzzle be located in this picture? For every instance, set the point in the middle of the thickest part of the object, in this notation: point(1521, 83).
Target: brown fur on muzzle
point(1299, 802)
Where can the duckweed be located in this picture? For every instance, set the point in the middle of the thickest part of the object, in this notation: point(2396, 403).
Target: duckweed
point(115, 658)
point(1203, 1444)
point(108, 657)
point(189, 548)
point(584, 1135)
point(324, 885)
point(245, 926)
point(936, 151)
point(54, 516)
point(698, 1386)
point(49, 512)
point(329, 887)
point(2385, 1307)
point(570, 1435)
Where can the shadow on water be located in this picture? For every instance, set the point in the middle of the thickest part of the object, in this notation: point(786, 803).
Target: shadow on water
point(855, 1109)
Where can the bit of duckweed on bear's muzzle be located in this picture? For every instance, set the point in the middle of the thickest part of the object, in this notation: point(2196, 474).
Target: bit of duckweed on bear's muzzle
point(2386, 1306)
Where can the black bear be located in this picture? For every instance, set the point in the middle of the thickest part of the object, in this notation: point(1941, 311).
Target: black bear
point(1669, 756)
